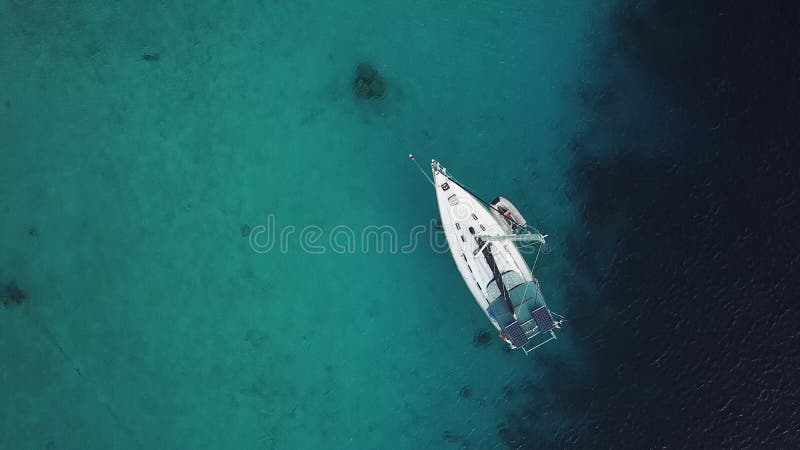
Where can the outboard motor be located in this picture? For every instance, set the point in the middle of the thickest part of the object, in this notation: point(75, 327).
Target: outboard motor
point(507, 214)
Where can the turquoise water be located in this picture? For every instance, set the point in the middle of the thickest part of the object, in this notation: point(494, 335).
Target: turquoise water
point(150, 322)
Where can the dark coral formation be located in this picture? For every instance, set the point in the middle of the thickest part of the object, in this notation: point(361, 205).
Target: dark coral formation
point(13, 295)
point(369, 84)
point(482, 338)
point(465, 392)
point(508, 392)
point(245, 230)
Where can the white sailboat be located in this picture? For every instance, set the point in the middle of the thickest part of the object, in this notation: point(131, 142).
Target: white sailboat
point(483, 239)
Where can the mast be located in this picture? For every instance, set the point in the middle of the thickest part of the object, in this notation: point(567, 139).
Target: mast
point(485, 239)
point(533, 237)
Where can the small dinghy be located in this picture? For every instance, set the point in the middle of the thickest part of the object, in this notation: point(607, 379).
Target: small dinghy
point(484, 239)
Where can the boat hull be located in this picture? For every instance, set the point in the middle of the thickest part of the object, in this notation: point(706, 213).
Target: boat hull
point(464, 219)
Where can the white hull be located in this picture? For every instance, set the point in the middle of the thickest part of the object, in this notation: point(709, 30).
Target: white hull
point(459, 211)
point(491, 264)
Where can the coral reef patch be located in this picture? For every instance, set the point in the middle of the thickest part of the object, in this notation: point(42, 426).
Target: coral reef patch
point(368, 84)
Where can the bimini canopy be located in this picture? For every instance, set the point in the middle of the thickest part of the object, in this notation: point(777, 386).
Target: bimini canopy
point(526, 298)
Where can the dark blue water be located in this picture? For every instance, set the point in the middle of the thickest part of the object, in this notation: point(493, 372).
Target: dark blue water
point(692, 162)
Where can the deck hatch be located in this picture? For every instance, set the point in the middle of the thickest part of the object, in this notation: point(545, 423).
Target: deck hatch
point(453, 199)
